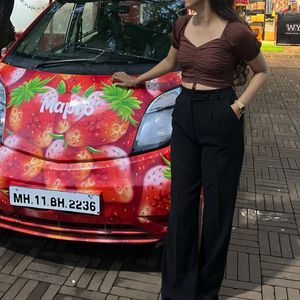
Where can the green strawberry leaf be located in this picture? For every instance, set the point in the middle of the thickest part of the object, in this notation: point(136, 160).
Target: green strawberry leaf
point(167, 175)
point(122, 102)
point(57, 136)
point(9, 132)
point(88, 91)
point(76, 88)
point(167, 172)
point(93, 150)
point(65, 145)
point(167, 162)
point(61, 88)
point(27, 91)
point(5, 192)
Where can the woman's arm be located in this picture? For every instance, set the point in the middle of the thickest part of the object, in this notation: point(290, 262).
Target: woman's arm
point(163, 67)
point(261, 71)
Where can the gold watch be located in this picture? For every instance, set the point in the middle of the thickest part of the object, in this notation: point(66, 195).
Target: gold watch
point(241, 106)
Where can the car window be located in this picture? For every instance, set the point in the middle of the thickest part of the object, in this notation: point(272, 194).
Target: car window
point(54, 35)
point(89, 20)
point(79, 29)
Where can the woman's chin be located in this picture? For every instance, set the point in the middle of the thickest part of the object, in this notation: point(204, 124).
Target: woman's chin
point(189, 5)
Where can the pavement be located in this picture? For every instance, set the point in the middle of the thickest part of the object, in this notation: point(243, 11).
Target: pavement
point(292, 50)
point(264, 254)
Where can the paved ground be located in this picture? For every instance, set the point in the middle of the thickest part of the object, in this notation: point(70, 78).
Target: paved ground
point(264, 257)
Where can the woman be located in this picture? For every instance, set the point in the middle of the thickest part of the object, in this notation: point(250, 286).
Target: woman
point(213, 49)
point(6, 28)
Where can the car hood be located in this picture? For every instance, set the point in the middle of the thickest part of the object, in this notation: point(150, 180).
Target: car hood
point(63, 117)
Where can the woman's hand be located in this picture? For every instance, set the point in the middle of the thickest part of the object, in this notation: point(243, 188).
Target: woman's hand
point(123, 79)
point(236, 110)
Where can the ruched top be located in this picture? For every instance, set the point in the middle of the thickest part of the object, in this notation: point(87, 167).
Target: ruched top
point(213, 62)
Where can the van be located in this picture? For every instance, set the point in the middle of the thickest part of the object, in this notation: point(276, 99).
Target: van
point(81, 158)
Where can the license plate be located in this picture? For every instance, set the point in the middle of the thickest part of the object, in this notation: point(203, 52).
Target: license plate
point(48, 199)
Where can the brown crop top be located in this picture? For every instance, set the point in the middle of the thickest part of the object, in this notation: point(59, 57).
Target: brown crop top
point(213, 62)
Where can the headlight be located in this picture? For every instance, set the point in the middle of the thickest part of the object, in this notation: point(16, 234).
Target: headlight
point(156, 126)
point(2, 109)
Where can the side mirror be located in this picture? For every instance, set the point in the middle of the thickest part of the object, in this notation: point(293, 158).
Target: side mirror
point(5, 49)
point(3, 52)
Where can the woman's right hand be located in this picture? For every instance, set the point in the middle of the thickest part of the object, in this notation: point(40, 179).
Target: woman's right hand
point(123, 79)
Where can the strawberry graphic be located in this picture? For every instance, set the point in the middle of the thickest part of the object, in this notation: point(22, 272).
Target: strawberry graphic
point(74, 103)
point(58, 178)
point(161, 84)
point(27, 117)
point(17, 166)
point(57, 151)
point(16, 142)
point(66, 174)
point(11, 75)
point(113, 181)
point(113, 112)
point(156, 190)
point(68, 79)
point(15, 75)
point(80, 171)
point(143, 162)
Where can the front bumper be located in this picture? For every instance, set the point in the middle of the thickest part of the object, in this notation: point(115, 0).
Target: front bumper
point(117, 223)
point(102, 233)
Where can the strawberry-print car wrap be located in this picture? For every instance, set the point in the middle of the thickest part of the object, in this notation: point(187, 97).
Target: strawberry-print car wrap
point(80, 157)
point(74, 134)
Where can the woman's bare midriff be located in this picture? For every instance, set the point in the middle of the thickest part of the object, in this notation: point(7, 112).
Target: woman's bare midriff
point(198, 86)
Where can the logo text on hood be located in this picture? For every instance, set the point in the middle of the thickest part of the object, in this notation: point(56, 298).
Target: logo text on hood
point(76, 107)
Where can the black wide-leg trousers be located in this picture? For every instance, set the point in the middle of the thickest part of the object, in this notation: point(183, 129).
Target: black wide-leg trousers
point(207, 150)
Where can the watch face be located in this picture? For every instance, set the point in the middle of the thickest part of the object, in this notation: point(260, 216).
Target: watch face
point(240, 104)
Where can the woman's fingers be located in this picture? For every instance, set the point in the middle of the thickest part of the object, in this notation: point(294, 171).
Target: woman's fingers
point(122, 78)
point(122, 84)
point(115, 76)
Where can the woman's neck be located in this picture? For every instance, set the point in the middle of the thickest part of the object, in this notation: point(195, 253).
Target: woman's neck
point(205, 15)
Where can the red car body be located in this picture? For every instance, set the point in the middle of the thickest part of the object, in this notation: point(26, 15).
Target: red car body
point(76, 133)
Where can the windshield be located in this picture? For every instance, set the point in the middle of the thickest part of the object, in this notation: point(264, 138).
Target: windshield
point(78, 30)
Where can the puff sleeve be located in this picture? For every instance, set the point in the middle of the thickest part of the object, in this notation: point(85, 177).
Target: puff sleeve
point(177, 28)
point(175, 35)
point(247, 45)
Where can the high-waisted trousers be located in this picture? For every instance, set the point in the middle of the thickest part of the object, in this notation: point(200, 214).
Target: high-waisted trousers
point(207, 150)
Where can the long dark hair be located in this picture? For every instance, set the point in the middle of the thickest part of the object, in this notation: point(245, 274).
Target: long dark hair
point(6, 28)
point(6, 9)
point(224, 8)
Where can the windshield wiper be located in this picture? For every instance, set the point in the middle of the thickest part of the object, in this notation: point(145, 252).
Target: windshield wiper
point(114, 51)
point(72, 60)
point(94, 59)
